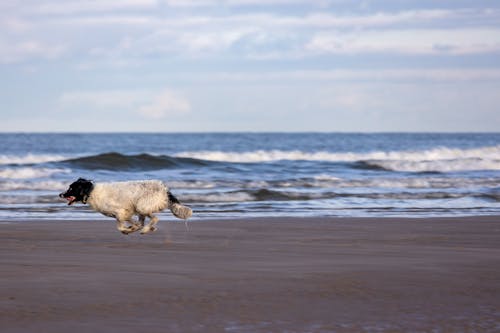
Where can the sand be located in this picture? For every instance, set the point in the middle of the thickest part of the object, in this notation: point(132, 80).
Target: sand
point(253, 275)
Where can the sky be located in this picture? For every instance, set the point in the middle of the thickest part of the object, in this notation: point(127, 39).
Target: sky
point(249, 65)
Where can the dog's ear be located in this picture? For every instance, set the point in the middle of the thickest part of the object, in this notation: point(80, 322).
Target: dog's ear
point(86, 188)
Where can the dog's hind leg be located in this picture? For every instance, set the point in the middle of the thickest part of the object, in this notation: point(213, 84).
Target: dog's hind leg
point(142, 218)
point(151, 225)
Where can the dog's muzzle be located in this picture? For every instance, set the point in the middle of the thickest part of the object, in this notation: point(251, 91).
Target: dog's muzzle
point(71, 199)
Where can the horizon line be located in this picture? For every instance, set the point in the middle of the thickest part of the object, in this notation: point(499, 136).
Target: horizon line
point(252, 132)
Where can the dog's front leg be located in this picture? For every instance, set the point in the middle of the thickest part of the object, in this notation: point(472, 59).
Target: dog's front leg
point(135, 225)
point(121, 226)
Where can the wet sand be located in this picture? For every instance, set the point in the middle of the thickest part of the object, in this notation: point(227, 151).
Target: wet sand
point(254, 275)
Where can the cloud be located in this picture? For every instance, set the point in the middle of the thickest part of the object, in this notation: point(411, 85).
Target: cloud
point(421, 41)
point(249, 62)
point(353, 75)
point(152, 105)
point(262, 32)
point(272, 19)
point(18, 51)
point(165, 104)
point(110, 99)
point(14, 25)
point(238, 3)
point(269, 37)
point(73, 7)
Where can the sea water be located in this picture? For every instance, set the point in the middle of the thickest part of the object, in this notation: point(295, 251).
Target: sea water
point(261, 174)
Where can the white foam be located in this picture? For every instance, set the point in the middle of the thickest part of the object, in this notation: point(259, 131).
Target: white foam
point(30, 159)
point(437, 159)
point(467, 164)
point(419, 183)
point(48, 185)
point(199, 184)
point(27, 172)
point(257, 184)
point(218, 197)
point(326, 178)
point(268, 156)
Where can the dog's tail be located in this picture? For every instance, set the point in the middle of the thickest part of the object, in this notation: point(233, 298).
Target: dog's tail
point(178, 209)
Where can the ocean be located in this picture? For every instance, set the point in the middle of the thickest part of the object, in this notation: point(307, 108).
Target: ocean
point(231, 175)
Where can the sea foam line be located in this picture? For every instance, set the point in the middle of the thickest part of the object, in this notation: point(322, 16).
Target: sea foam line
point(437, 159)
point(28, 172)
point(30, 159)
point(440, 153)
point(45, 185)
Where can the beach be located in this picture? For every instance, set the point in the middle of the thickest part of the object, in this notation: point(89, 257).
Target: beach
point(253, 275)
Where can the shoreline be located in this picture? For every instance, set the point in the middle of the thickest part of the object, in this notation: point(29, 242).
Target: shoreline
point(272, 274)
point(166, 217)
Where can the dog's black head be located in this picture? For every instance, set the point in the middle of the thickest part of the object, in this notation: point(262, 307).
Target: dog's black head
point(78, 191)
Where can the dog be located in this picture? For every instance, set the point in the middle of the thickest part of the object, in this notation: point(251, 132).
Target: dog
point(123, 200)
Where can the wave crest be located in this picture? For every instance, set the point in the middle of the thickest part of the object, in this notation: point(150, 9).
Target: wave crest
point(28, 172)
point(454, 165)
point(433, 160)
point(29, 159)
point(117, 161)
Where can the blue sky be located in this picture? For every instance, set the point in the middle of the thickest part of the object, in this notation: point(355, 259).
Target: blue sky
point(249, 65)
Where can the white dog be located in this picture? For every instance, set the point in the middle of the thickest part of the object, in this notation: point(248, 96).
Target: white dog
point(123, 200)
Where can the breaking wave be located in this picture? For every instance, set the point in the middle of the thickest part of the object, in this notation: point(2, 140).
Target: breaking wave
point(433, 160)
point(117, 161)
point(23, 185)
point(29, 159)
point(29, 172)
point(452, 165)
point(253, 195)
point(326, 181)
point(279, 195)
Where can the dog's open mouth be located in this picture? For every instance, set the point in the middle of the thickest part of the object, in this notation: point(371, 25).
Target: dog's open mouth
point(71, 200)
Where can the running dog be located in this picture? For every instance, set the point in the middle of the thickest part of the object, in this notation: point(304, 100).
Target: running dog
point(123, 200)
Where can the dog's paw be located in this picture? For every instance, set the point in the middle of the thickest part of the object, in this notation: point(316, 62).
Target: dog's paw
point(129, 229)
point(147, 229)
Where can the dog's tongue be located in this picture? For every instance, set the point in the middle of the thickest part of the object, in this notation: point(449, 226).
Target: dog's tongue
point(70, 200)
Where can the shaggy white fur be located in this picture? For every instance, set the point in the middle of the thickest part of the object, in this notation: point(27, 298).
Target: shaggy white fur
point(123, 200)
